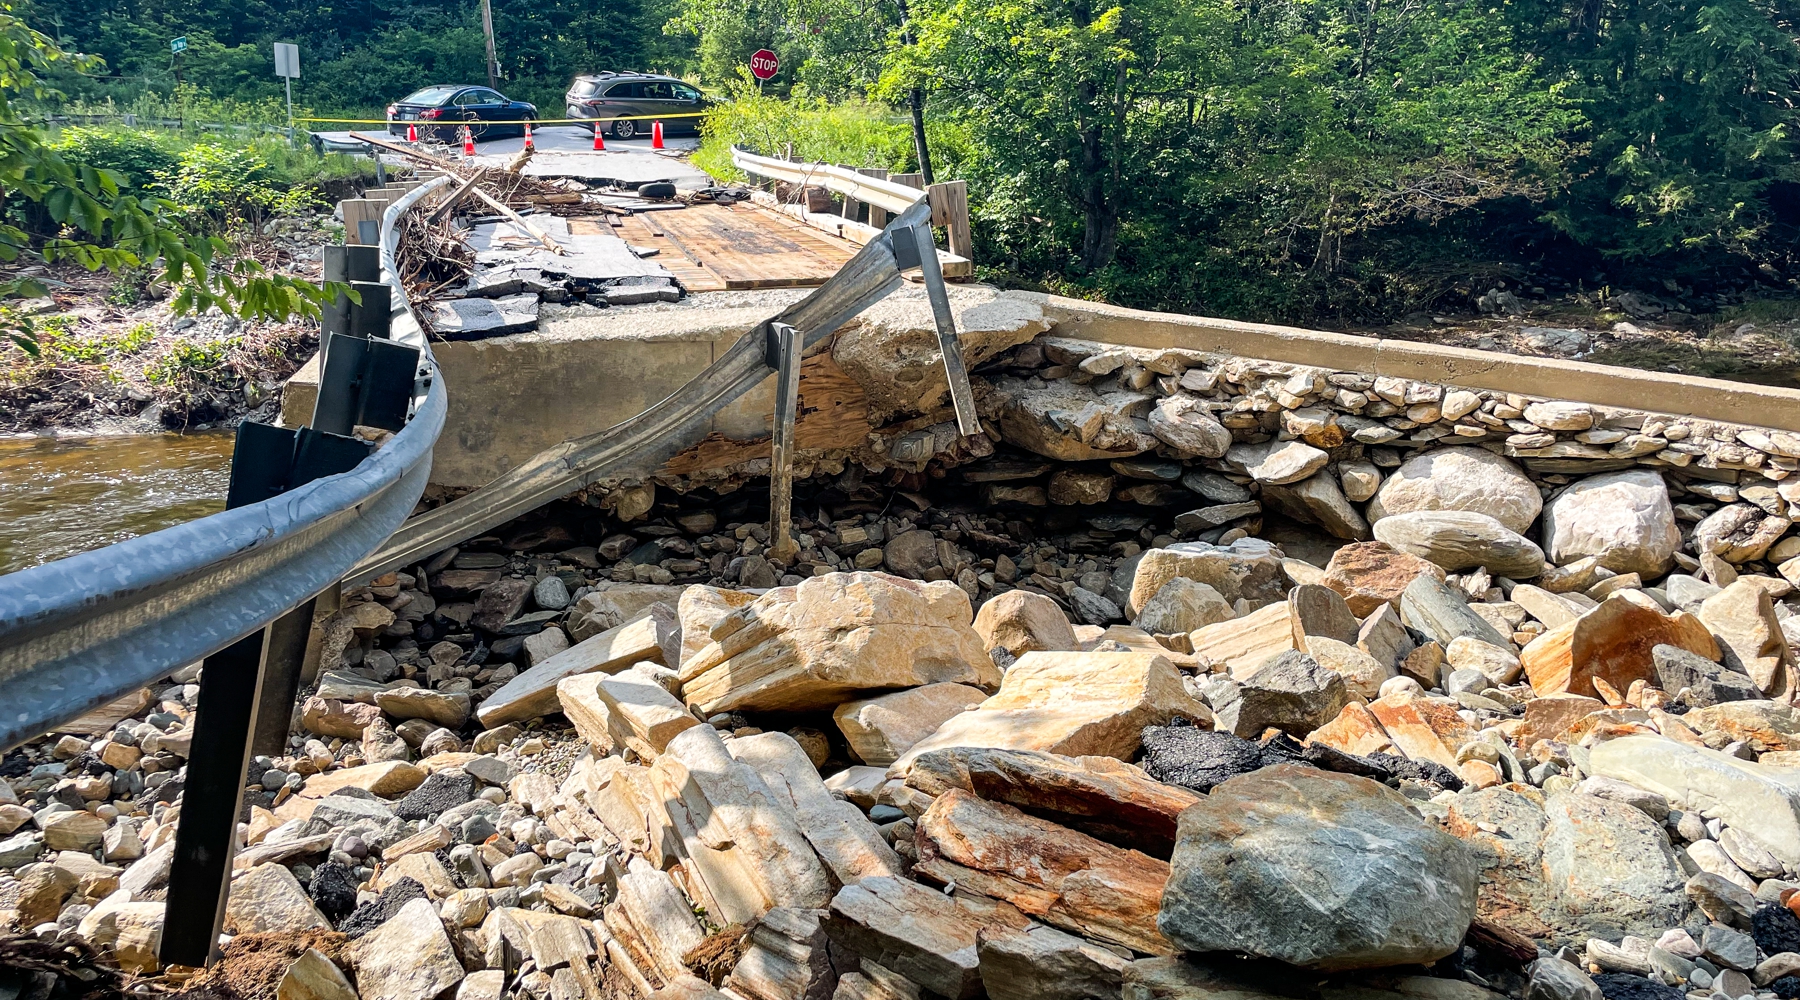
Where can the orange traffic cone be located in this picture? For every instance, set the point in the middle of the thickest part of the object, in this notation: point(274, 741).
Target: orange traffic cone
point(656, 135)
point(412, 133)
point(528, 144)
point(468, 142)
point(599, 143)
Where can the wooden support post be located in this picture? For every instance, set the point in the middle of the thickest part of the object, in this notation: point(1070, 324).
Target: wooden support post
point(878, 216)
point(784, 345)
point(910, 180)
point(362, 219)
point(852, 207)
point(950, 209)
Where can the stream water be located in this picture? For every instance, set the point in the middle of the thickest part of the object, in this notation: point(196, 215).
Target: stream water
point(60, 496)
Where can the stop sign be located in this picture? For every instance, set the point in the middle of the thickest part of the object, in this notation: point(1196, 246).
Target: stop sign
point(764, 64)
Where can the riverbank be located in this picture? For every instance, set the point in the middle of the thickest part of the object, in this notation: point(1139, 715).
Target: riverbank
point(115, 359)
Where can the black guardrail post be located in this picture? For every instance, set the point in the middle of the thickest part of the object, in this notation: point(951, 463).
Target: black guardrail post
point(247, 690)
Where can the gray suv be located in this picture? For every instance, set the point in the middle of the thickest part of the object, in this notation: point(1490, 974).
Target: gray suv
point(625, 104)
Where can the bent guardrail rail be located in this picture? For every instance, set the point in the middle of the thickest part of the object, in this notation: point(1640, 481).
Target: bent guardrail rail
point(637, 448)
point(83, 631)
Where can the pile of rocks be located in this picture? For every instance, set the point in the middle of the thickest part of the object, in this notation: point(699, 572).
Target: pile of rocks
point(1211, 682)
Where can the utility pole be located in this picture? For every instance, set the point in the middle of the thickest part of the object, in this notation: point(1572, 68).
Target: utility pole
point(915, 98)
point(493, 61)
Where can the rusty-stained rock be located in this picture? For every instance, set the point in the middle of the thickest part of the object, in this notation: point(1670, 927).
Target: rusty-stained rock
point(1100, 796)
point(819, 643)
point(1071, 703)
point(1549, 717)
point(1370, 574)
point(1612, 642)
point(1064, 878)
point(1424, 728)
point(1356, 730)
point(1742, 619)
point(1768, 724)
point(330, 717)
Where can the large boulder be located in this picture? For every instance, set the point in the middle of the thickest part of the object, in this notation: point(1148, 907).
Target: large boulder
point(1182, 605)
point(1318, 869)
point(892, 353)
point(1470, 479)
point(1574, 867)
point(1624, 518)
point(814, 645)
point(1459, 539)
point(1318, 500)
point(1070, 703)
point(1614, 642)
point(1757, 800)
point(1249, 568)
point(879, 729)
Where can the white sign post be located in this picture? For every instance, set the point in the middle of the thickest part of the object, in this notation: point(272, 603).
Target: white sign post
point(287, 66)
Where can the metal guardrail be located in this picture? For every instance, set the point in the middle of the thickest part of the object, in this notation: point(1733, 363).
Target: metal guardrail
point(83, 631)
point(636, 449)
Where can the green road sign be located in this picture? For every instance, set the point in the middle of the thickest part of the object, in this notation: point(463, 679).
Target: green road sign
point(178, 45)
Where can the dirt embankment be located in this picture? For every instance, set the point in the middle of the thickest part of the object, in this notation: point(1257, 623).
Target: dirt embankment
point(114, 358)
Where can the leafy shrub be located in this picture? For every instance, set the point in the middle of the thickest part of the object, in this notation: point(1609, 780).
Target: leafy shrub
point(187, 361)
point(135, 155)
point(229, 186)
point(852, 133)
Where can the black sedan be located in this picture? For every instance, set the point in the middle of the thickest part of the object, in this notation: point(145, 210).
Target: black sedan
point(440, 111)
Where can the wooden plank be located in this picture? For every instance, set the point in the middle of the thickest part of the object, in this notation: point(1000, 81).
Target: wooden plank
point(950, 209)
point(747, 252)
point(633, 230)
point(878, 216)
point(833, 414)
point(855, 233)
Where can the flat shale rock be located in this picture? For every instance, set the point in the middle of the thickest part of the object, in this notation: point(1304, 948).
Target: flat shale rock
point(630, 708)
point(1103, 797)
point(1043, 963)
point(1070, 703)
point(1073, 423)
point(407, 958)
point(1064, 878)
point(1458, 540)
point(917, 932)
point(1755, 799)
point(882, 728)
point(1321, 870)
point(651, 636)
point(845, 840)
point(819, 643)
point(1182, 605)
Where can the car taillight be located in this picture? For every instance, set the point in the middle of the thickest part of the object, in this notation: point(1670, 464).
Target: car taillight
point(595, 103)
point(432, 113)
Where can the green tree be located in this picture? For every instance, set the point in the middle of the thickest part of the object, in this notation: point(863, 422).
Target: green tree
point(90, 214)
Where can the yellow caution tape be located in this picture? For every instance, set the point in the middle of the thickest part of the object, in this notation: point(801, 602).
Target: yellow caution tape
point(435, 122)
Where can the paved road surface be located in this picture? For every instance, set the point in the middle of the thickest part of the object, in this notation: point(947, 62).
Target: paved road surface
point(567, 151)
